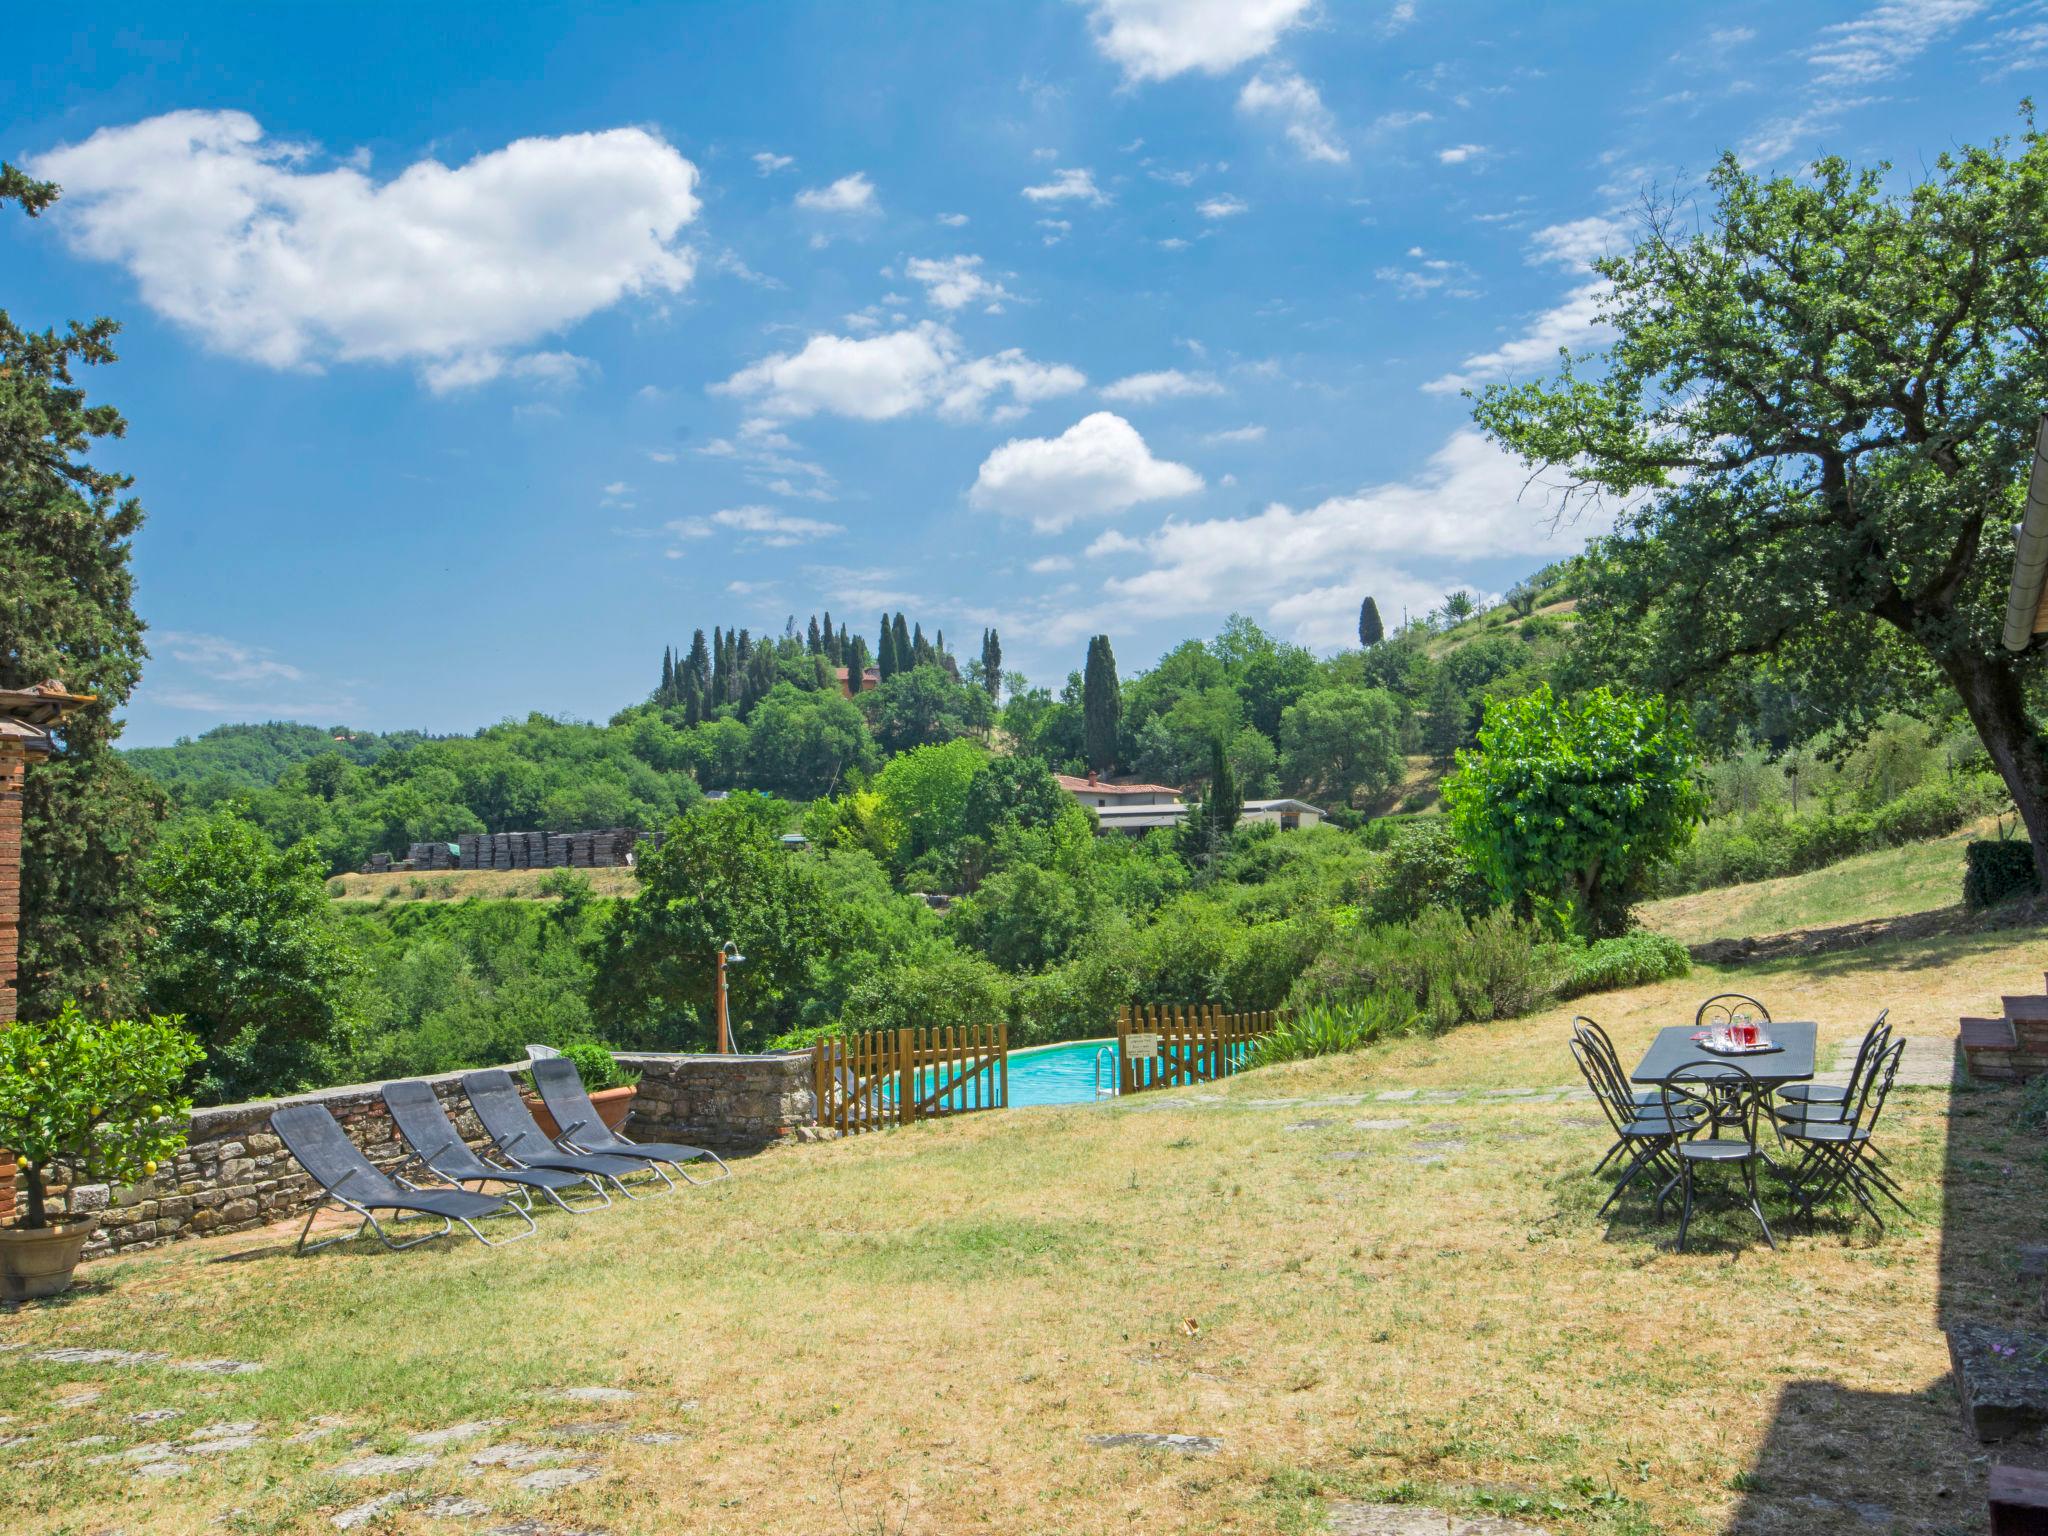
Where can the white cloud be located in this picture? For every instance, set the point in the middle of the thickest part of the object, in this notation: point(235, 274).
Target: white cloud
point(224, 660)
point(955, 282)
point(878, 378)
point(767, 162)
point(2015, 50)
point(618, 488)
point(661, 456)
point(768, 456)
point(239, 239)
point(1251, 434)
point(1460, 154)
point(1096, 468)
point(1574, 323)
point(853, 194)
point(859, 588)
point(1050, 564)
point(1885, 39)
point(1778, 136)
point(1056, 230)
point(768, 527)
point(1167, 384)
point(1069, 186)
point(1577, 244)
point(953, 220)
point(1308, 568)
point(1284, 96)
point(1224, 207)
point(1398, 16)
point(1158, 39)
point(1428, 274)
point(1394, 122)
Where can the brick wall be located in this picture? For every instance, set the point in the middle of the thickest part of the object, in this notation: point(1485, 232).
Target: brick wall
point(12, 763)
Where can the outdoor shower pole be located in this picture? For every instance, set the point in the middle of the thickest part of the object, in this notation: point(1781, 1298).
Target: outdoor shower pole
point(724, 1030)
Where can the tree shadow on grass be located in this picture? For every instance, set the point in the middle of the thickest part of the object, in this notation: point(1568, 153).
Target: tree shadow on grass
point(1839, 1459)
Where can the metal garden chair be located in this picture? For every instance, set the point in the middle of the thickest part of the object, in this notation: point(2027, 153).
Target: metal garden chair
point(1596, 1041)
point(561, 1089)
point(1646, 1136)
point(1829, 1095)
point(1728, 1093)
point(1726, 1007)
point(510, 1125)
point(1838, 1154)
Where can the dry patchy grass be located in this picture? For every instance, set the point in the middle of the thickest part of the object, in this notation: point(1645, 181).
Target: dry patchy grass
point(919, 1331)
point(460, 884)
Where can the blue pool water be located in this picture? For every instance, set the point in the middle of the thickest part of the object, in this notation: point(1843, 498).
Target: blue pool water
point(1060, 1074)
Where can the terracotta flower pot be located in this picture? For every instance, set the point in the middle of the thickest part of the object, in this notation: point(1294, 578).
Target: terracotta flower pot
point(38, 1261)
point(613, 1105)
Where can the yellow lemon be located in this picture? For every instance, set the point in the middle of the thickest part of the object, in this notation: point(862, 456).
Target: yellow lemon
point(150, 1166)
point(23, 1164)
point(155, 1110)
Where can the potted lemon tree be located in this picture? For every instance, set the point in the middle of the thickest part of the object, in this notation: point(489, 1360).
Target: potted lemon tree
point(97, 1097)
point(611, 1087)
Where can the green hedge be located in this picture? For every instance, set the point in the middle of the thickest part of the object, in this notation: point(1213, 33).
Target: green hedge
point(1632, 960)
point(1995, 871)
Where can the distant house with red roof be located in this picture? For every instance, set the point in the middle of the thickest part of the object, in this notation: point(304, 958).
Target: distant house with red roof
point(1102, 794)
point(870, 679)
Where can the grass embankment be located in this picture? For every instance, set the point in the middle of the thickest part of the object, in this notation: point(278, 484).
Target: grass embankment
point(1892, 882)
point(461, 884)
point(919, 1331)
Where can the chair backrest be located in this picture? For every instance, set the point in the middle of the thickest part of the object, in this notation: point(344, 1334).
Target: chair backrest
point(561, 1089)
point(1586, 1052)
point(1609, 1061)
point(1862, 1112)
point(323, 1149)
point(1868, 1053)
point(1700, 1088)
point(416, 1111)
point(1726, 1007)
point(505, 1117)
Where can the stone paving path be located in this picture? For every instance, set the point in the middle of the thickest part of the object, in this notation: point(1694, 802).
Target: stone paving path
point(1929, 1062)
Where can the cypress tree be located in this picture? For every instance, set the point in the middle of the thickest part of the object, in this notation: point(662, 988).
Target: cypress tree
point(1370, 630)
point(992, 663)
point(811, 642)
point(848, 648)
point(693, 699)
point(715, 693)
point(1226, 799)
point(698, 663)
point(665, 695)
point(1102, 706)
point(885, 652)
point(899, 641)
point(831, 640)
point(921, 652)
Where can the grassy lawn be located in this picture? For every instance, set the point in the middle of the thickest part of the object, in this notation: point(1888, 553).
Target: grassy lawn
point(1916, 878)
point(920, 1331)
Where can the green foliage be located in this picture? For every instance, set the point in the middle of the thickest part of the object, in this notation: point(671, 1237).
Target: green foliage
point(1768, 843)
point(804, 744)
point(922, 706)
point(1819, 410)
point(937, 991)
point(1633, 960)
point(1340, 741)
point(598, 1068)
point(720, 875)
point(1425, 867)
point(67, 614)
point(1101, 705)
point(1458, 971)
point(246, 949)
point(1997, 871)
point(1324, 1030)
point(1370, 630)
point(925, 791)
point(1012, 792)
point(2032, 1114)
point(1024, 918)
point(1574, 803)
point(101, 1097)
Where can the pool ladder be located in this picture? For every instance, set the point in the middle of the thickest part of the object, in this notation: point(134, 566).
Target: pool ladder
point(1111, 1091)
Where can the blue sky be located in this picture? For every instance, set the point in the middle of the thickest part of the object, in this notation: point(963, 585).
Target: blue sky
point(472, 354)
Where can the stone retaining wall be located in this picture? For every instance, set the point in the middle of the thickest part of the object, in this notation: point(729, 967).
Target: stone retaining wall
point(234, 1175)
point(732, 1103)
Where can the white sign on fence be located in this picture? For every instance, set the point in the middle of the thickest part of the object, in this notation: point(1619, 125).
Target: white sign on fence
point(1141, 1047)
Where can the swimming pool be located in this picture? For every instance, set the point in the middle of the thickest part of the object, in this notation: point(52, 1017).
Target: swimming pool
point(1059, 1074)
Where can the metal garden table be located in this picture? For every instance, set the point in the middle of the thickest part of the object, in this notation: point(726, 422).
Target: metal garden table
point(1768, 1071)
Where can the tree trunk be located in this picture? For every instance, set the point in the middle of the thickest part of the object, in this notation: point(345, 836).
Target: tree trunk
point(1990, 691)
point(33, 1180)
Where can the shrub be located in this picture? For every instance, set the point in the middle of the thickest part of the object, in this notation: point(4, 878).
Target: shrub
point(598, 1068)
point(1425, 867)
point(1630, 961)
point(1320, 1030)
point(943, 989)
point(99, 1096)
point(1457, 970)
point(1995, 871)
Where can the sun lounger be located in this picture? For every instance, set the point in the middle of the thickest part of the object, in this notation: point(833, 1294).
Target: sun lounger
point(509, 1124)
point(416, 1111)
point(561, 1089)
point(349, 1179)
